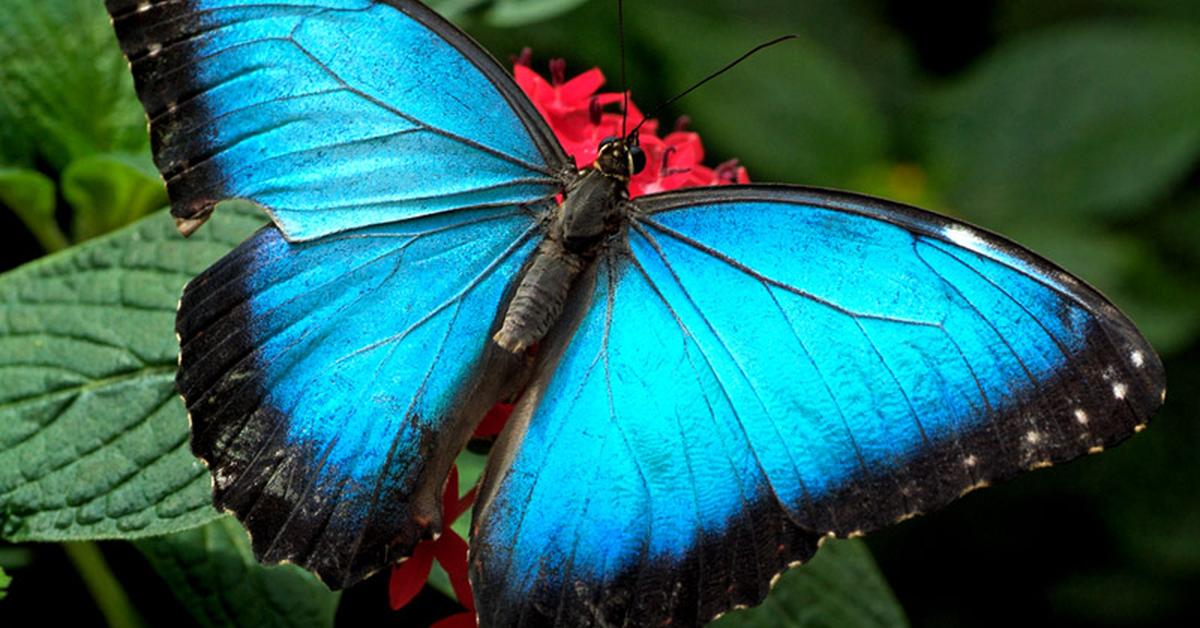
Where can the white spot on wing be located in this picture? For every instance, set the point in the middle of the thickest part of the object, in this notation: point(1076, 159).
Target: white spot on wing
point(1119, 390)
point(143, 6)
point(1033, 437)
point(1137, 358)
point(221, 478)
point(1081, 416)
point(154, 49)
point(970, 460)
point(964, 237)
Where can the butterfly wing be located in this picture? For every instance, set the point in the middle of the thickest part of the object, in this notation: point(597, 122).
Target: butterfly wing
point(761, 366)
point(330, 114)
point(334, 363)
point(330, 384)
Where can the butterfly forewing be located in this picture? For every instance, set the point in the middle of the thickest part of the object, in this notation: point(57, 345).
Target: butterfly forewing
point(330, 114)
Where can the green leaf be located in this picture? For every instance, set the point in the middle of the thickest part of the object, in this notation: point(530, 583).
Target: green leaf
point(93, 438)
point(5, 580)
point(67, 89)
point(795, 112)
point(110, 191)
point(454, 9)
point(30, 195)
point(518, 12)
point(840, 587)
point(212, 570)
point(1032, 14)
point(1099, 118)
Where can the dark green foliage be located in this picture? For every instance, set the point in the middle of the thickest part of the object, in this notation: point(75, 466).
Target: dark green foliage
point(841, 586)
point(67, 119)
point(213, 572)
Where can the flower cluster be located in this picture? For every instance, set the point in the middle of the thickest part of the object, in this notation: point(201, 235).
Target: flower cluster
point(581, 119)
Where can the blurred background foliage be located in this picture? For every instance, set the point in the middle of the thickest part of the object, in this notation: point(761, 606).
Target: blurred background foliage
point(1071, 126)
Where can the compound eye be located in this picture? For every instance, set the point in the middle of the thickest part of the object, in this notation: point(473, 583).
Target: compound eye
point(638, 157)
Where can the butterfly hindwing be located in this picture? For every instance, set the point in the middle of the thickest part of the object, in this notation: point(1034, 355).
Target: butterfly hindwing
point(330, 114)
point(616, 498)
point(760, 366)
point(329, 388)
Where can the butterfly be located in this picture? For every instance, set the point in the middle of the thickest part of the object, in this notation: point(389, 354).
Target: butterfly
point(722, 378)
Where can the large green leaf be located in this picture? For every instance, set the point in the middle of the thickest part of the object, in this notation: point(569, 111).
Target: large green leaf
point(795, 113)
point(516, 12)
point(840, 587)
point(214, 573)
point(1031, 14)
point(5, 580)
point(67, 90)
point(93, 438)
point(1098, 118)
point(855, 32)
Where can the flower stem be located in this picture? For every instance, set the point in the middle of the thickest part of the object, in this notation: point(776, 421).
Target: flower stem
point(110, 598)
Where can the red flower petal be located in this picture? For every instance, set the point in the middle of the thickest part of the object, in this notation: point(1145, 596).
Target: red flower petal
point(494, 420)
point(579, 89)
point(454, 506)
point(452, 556)
point(461, 620)
point(408, 577)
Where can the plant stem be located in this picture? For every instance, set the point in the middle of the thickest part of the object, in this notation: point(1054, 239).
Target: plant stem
point(110, 598)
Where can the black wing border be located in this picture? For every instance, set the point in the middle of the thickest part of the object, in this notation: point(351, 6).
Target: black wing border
point(551, 149)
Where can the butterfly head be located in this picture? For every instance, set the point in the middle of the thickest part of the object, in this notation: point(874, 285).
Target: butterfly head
point(620, 158)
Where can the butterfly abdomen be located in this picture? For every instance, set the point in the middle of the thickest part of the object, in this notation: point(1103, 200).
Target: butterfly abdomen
point(539, 298)
point(590, 214)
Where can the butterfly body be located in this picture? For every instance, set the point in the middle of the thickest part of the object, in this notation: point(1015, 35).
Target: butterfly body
point(723, 376)
point(593, 212)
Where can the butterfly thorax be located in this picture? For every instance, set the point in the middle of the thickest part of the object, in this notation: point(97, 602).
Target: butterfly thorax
point(592, 212)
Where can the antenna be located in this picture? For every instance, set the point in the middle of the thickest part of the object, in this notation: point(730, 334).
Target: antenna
point(624, 82)
point(726, 68)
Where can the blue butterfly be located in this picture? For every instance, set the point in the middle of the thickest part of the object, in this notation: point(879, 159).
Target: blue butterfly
point(724, 376)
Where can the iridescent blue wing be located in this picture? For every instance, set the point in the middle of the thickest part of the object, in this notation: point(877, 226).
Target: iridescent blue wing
point(333, 364)
point(330, 114)
point(761, 366)
point(330, 384)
